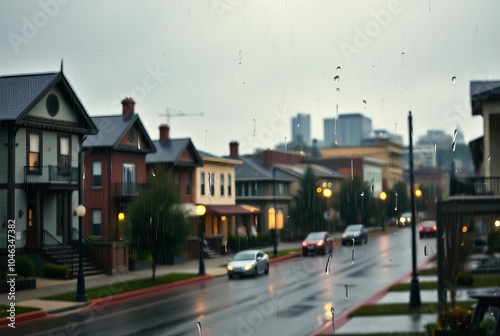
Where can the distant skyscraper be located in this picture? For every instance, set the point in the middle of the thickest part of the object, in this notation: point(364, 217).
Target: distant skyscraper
point(301, 129)
point(350, 130)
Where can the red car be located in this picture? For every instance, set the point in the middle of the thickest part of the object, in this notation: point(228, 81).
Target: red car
point(317, 243)
point(428, 229)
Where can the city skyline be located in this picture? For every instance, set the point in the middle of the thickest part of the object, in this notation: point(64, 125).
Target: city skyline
point(240, 70)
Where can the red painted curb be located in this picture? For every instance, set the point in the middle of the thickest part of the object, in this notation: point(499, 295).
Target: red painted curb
point(24, 317)
point(285, 257)
point(344, 318)
point(146, 291)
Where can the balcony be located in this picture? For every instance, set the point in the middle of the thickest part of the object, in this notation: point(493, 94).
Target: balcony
point(477, 186)
point(128, 189)
point(50, 175)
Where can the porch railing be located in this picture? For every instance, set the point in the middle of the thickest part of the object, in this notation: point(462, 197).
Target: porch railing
point(99, 252)
point(53, 245)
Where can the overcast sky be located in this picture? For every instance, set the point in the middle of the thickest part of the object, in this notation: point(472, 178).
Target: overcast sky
point(249, 66)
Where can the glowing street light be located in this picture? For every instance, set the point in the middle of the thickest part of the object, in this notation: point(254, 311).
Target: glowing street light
point(200, 212)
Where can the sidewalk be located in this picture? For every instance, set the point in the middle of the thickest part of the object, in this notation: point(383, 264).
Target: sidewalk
point(214, 267)
point(388, 323)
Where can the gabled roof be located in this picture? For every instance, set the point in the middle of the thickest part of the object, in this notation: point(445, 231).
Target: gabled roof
point(113, 128)
point(20, 93)
point(481, 91)
point(208, 157)
point(252, 170)
point(170, 152)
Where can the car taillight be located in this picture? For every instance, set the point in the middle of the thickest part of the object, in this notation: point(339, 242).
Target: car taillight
point(421, 228)
point(434, 228)
point(304, 244)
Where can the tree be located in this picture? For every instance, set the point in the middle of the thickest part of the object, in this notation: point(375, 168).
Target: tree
point(157, 224)
point(356, 202)
point(400, 203)
point(308, 206)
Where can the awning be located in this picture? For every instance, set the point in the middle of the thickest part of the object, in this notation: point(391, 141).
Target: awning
point(251, 208)
point(228, 209)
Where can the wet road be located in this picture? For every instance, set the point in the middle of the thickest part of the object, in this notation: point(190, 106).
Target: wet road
point(294, 299)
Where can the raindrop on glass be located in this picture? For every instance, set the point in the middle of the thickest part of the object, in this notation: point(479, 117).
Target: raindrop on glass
point(364, 103)
point(225, 246)
point(453, 79)
point(338, 89)
point(199, 327)
point(362, 193)
point(328, 263)
point(336, 78)
point(346, 291)
point(240, 57)
point(352, 256)
point(489, 158)
point(333, 318)
point(425, 250)
point(339, 68)
point(496, 290)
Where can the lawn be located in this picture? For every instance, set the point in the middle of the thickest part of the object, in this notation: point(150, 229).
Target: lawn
point(19, 310)
point(119, 287)
point(399, 309)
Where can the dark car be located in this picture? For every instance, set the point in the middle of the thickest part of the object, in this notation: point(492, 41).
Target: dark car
point(317, 243)
point(427, 229)
point(355, 233)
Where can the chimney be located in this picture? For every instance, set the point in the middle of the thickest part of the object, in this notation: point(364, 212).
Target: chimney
point(164, 132)
point(127, 107)
point(233, 149)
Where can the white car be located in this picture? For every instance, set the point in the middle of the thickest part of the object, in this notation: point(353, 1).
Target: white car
point(249, 262)
point(405, 219)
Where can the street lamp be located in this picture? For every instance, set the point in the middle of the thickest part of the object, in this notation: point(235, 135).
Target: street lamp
point(81, 296)
point(383, 197)
point(275, 240)
point(327, 193)
point(200, 212)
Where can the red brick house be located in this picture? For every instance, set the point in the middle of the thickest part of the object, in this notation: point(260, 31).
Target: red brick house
point(115, 165)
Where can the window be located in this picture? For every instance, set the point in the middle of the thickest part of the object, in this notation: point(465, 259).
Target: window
point(63, 157)
point(188, 184)
point(96, 222)
point(211, 180)
point(96, 174)
point(34, 157)
point(177, 181)
point(202, 184)
point(128, 179)
point(229, 186)
point(222, 184)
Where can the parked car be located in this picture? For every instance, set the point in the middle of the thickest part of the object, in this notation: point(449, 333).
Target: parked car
point(355, 233)
point(317, 243)
point(427, 229)
point(405, 219)
point(248, 262)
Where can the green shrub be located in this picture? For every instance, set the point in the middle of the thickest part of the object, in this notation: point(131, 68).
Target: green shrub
point(494, 242)
point(238, 243)
point(24, 266)
point(56, 271)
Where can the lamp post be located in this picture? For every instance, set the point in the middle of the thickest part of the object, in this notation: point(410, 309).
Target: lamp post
point(383, 197)
point(327, 193)
point(200, 212)
point(275, 239)
point(81, 296)
point(415, 302)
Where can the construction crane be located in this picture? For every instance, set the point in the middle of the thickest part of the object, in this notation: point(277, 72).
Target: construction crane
point(178, 113)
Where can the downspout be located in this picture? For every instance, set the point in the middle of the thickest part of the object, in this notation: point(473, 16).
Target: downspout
point(11, 169)
point(111, 192)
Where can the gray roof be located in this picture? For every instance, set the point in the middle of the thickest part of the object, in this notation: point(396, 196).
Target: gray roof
point(481, 91)
point(113, 128)
point(169, 151)
point(252, 170)
point(19, 92)
point(319, 171)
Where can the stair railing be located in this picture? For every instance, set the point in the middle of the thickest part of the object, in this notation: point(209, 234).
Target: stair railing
point(51, 242)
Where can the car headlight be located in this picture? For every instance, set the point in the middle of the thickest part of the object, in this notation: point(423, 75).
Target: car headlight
point(402, 219)
point(229, 267)
point(321, 242)
point(344, 235)
point(249, 266)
